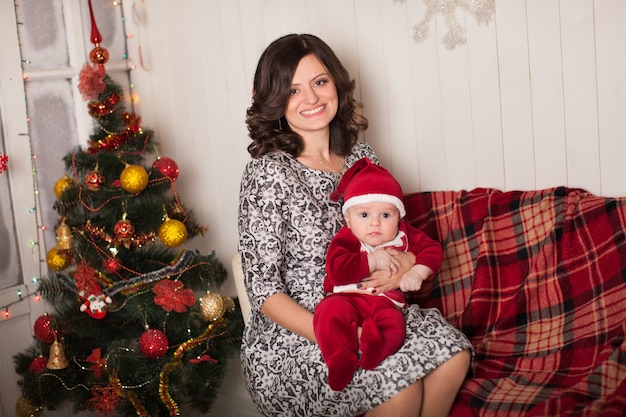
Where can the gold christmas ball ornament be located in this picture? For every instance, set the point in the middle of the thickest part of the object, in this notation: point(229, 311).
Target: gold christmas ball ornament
point(61, 185)
point(172, 233)
point(213, 306)
point(57, 260)
point(25, 408)
point(134, 178)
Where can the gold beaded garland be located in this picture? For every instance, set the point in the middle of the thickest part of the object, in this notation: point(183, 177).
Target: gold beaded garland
point(134, 178)
point(172, 233)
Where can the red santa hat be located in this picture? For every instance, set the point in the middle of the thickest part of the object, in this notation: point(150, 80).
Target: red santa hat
point(365, 182)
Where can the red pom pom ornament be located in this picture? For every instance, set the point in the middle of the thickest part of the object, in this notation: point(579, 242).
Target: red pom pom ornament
point(44, 329)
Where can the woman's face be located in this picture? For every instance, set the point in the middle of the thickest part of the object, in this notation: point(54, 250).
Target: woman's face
point(313, 98)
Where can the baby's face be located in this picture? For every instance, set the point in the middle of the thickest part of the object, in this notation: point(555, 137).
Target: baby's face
point(373, 223)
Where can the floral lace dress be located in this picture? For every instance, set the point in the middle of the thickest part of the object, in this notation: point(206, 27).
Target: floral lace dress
point(286, 221)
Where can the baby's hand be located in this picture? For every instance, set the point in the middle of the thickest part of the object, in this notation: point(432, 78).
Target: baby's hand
point(382, 260)
point(411, 281)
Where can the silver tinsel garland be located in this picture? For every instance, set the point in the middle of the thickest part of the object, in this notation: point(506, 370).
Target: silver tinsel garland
point(482, 10)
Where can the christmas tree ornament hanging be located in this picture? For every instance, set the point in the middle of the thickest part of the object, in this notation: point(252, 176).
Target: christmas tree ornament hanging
point(25, 408)
point(111, 265)
point(44, 328)
point(38, 365)
point(63, 236)
point(134, 178)
point(172, 232)
point(61, 185)
point(124, 229)
point(57, 260)
point(94, 180)
point(57, 359)
point(153, 344)
point(98, 55)
point(213, 305)
point(167, 167)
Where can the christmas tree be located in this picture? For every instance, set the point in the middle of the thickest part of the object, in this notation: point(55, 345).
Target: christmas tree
point(138, 326)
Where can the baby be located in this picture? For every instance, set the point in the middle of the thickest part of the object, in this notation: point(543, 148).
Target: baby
point(373, 211)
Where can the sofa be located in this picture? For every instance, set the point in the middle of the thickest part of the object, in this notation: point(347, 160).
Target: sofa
point(537, 282)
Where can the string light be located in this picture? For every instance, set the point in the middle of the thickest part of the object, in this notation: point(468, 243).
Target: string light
point(20, 298)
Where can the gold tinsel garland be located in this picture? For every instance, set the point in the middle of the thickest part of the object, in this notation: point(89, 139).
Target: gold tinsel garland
point(170, 366)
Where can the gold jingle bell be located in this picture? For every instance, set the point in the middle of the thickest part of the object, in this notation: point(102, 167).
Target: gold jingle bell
point(64, 236)
point(57, 357)
point(213, 306)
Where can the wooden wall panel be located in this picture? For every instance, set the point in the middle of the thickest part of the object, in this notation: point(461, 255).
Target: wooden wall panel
point(428, 108)
point(516, 104)
point(580, 94)
point(546, 89)
point(611, 83)
point(484, 82)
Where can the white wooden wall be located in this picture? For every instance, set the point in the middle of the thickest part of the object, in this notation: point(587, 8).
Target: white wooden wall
point(536, 98)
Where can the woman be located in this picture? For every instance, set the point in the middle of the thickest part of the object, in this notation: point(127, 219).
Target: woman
point(304, 126)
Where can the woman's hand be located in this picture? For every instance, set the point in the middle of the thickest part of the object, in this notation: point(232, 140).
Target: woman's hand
point(381, 281)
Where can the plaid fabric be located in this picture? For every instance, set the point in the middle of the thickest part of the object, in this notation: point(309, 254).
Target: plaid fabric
point(537, 281)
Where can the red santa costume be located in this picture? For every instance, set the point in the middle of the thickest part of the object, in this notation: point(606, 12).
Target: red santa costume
point(350, 306)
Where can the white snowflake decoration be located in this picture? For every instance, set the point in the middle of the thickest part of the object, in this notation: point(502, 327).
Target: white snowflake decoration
point(482, 10)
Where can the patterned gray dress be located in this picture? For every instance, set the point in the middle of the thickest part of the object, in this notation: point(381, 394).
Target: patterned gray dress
point(286, 222)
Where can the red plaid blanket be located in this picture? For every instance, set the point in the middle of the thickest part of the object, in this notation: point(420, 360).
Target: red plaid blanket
point(537, 281)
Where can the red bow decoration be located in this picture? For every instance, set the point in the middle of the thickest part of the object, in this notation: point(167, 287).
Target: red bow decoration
point(203, 358)
point(86, 282)
point(98, 362)
point(104, 400)
point(171, 295)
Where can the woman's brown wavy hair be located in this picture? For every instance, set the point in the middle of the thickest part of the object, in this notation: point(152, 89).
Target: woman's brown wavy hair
point(267, 125)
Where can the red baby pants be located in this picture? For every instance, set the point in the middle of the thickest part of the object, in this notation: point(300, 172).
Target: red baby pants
point(336, 322)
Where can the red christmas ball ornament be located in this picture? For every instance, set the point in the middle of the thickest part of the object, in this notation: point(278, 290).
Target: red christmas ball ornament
point(112, 266)
point(99, 55)
point(44, 329)
point(167, 167)
point(153, 344)
point(124, 229)
point(38, 364)
point(94, 180)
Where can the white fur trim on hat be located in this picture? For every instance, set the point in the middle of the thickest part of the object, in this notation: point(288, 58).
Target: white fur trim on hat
point(374, 198)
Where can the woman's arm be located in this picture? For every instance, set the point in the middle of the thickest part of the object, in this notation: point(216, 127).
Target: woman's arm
point(382, 282)
point(286, 312)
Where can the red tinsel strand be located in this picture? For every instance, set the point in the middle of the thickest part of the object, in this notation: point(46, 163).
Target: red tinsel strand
point(96, 37)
